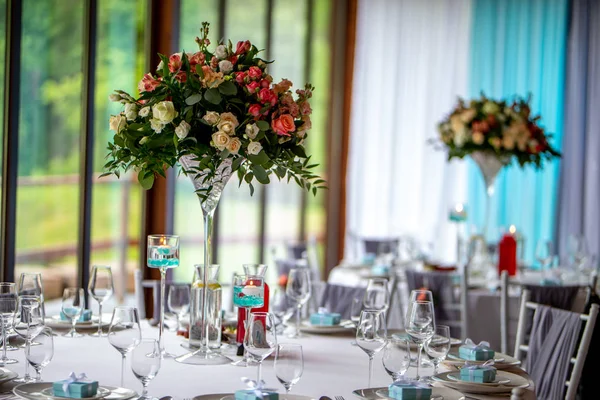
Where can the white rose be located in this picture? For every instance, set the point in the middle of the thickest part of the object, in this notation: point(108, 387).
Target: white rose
point(254, 148)
point(220, 140)
point(221, 52)
point(212, 117)
point(114, 97)
point(164, 111)
point(145, 111)
point(117, 123)
point(234, 145)
point(460, 137)
point(131, 111)
point(251, 131)
point(225, 66)
point(227, 123)
point(182, 130)
point(156, 125)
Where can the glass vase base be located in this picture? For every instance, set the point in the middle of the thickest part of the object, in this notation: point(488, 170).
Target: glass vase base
point(28, 379)
point(203, 357)
point(8, 361)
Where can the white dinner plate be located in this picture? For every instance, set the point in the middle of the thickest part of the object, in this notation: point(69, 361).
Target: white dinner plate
point(345, 326)
point(56, 318)
point(7, 375)
point(57, 323)
point(404, 335)
point(437, 393)
point(230, 396)
point(516, 381)
point(43, 390)
point(101, 393)
point(455, 376)
point(501, 361)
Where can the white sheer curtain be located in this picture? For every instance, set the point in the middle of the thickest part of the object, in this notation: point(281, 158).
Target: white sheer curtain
point(411, 63)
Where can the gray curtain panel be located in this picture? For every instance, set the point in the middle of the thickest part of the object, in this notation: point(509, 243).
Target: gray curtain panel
point(578, 211)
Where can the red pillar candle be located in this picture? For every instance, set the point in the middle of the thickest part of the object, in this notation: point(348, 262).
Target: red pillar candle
point(507, 253)
point(241, 329)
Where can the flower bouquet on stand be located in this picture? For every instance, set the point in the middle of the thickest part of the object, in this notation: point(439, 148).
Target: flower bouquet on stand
point(213, 113)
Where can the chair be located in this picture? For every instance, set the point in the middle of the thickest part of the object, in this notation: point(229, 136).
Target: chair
point(381, 246)
point(338, 298)
point(545, 342)
point(139, 285)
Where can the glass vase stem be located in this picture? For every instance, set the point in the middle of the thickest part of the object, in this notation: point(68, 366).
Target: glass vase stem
point(163, 277)
point(208, 216)
point(420, 346)
point(99, 319)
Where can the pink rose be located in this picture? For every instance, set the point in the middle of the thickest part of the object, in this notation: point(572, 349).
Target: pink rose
point(254, 110)
point(252, 87)
point(283, 125)
point(265, 83)
point(267, 96)
point(214, 62)
point(239, 77)
point(175, 62)
point(282, 86)
point(287, 100)
point(148, 83)
point(255, 72)
point(294, 110)
point(305, 108)
point(197, 58)
point(242, 47)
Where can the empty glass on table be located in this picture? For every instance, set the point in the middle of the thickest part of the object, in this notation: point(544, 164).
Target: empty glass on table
point(438, 346)
point(30, 284)
point(179, 301)
point(371, 335)
point(420, 325)
point(40, 355)
point(396, 357)
point(261, 338)
point(145, 363)
point(289, 364)
point(73, 304)
point(101, 287)
point(124, 332)
point(298, 289)
point(8, 307)
point(28, 322)
point(377, 295)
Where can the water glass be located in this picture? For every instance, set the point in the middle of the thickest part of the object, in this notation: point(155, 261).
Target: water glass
point(73, 304)
point(289, 364)
point(377, 295)
point(396, 357)
point(298, 289)
point(8, 307)
point(28, 322)
point(40, 355)
point(101, 287)
point(30, 284)
point(179, 301)
point(420, 325)
point(543, 254)
point(371, 335)
point(438, 346)
point(261, 338)
point(124, 332)
point(145, 363)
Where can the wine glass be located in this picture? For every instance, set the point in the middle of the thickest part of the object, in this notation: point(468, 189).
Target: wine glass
point(261, 338)
point(420, 325)
point(8, 307)
point(179, 301)
point(298, 289)
point(377, 295)
point(248, 293)
point(289, 364)
point(543, 254)
point(39, 356)
point(28, 322)
point(101, 287)
point(396, 357)
point(145, 363)
point(438, 346)
point(124, 332)
point(371, 335)
point(73, 304)
point(163, 253)
point(577, 249)
point(30, 284)
point(356, 306)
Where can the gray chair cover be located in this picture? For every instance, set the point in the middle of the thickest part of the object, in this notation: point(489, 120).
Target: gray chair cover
point(338, 298)
point(284, 266)
point(554, 296)
point(296, 251)
point(377, 246)
point(554, 335)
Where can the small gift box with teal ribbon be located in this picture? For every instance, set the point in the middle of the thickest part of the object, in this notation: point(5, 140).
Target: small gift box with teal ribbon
point(325, 318)
point(480, 373)
point(475, 352)
point(407, 389)
point(75, 387)
point(256, 391)
point(380, 269)
point(86, 315)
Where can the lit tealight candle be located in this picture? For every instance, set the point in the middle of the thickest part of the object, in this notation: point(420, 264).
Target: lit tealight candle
point(458, 213)
point(251, 290)
point(512, 229)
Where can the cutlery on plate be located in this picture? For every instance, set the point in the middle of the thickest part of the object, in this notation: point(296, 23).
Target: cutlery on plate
point(339, 398)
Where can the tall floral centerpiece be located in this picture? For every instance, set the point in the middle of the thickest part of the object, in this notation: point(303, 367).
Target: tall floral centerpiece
point(213, 113)
point(494, 133)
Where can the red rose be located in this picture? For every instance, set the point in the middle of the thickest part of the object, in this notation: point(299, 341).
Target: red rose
point(197, 58)
point(242, 47)
point(254, 110)
point(283, 125)
point(267, 96)
point(175, 62)
point(265, 83)
point(253, 87)
point(233, 59)
point(239, 77)
point(255, 72)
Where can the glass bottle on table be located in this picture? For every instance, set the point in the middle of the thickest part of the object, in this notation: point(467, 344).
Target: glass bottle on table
point(101, 287)
point(214, 302)
point(8, 307)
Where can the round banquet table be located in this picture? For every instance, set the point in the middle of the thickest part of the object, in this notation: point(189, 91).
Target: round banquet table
point(332, 367)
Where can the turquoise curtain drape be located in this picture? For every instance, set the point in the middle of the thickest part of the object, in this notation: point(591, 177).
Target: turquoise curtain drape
point(518, 48)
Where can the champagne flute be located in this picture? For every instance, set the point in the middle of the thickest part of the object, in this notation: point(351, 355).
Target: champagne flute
point(8, 307)
point(179, 301)
point(298, 289)
point(377, 295)
point(39, 356)
point(371, 335)
point(124, 332)
point(438, 346)
point(101, 287)
point(73, 304)
point(145, 363)
point(396, 358)
point(28, 322)
point(420, 325)
point(289, 364)
point(261, 338)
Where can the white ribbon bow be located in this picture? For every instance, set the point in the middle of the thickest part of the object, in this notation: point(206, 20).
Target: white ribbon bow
point(488, 363)
point(258, 387)
point(481, 346)
point(323, 310)
point(73, 378)
point(403, 381)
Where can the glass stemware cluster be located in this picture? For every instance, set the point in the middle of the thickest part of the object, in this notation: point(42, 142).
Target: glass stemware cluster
point(298, 289)
point(420, 321)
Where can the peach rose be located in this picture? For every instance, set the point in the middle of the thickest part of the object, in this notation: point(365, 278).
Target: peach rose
point(283, 125)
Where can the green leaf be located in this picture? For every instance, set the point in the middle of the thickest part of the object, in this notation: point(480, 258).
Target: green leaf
point(249, 176)
point(262, 125)
point(213, 96)
point(251, 189)
point(199, 71)
point(261, 174)
point(193, 99)
point(299, 151)
point(236, 163)
point(259, 159)
point(228, 88)
point(146, 179)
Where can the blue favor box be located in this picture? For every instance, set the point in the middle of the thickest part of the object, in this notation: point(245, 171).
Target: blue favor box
point(478, 373)
point(77, 390)
point(380, 269)
point(251, 395)
point(475, 353)
point(325, 319)
point(409, 391)
point(86, 315)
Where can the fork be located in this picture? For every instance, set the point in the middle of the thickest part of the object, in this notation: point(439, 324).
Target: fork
point(339, 398)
